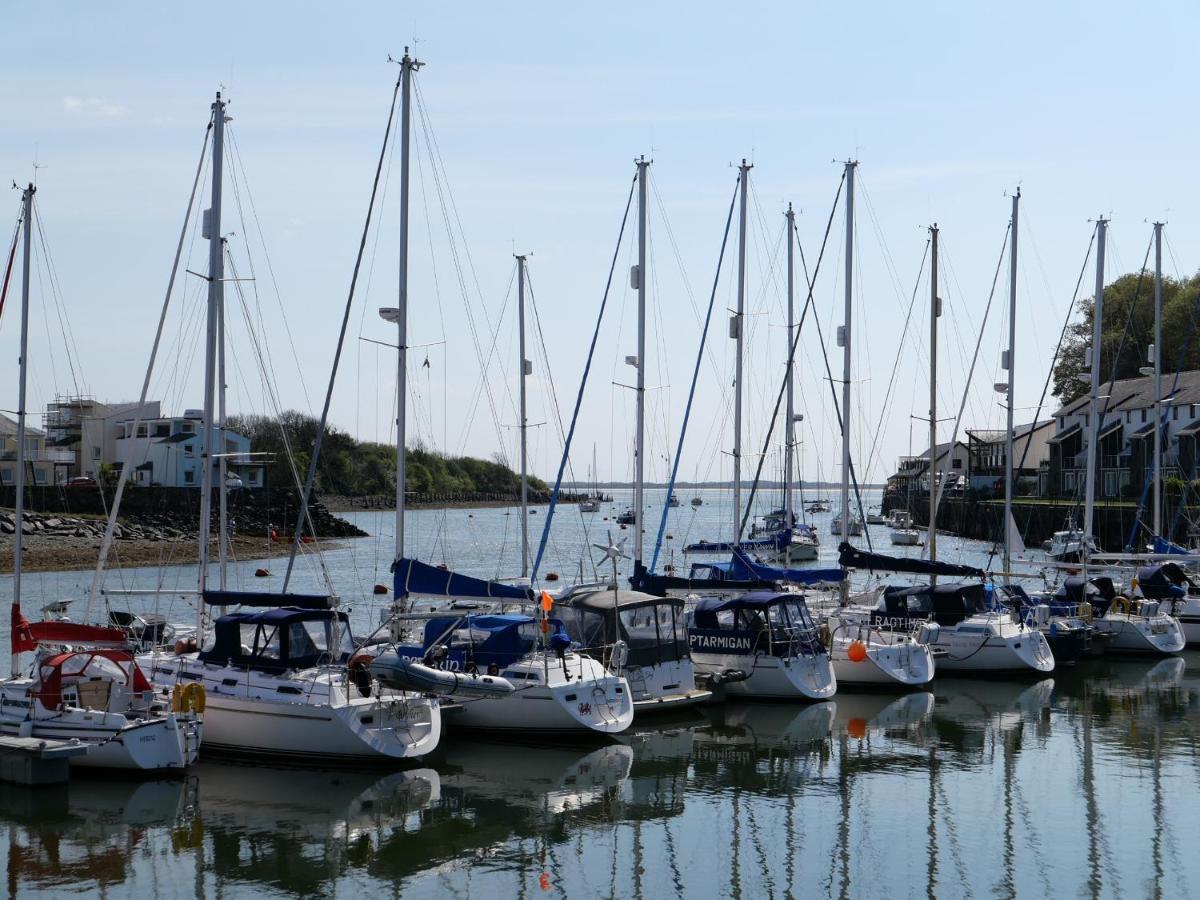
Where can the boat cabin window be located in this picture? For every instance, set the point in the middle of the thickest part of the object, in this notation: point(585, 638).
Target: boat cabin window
point(792, 614)
point(261, 640)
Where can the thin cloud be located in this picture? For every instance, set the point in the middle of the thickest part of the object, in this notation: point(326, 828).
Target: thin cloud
point(93, 107)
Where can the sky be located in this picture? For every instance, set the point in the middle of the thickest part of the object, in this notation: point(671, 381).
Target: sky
point(528, 122)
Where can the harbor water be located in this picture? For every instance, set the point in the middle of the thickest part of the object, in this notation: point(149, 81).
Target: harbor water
point(1086, 783)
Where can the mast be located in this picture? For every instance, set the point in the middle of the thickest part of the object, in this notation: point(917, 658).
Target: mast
point(790, 440)
point(934, 311)
point(408, 65)
point(1156, 361)
point(526, 368)
point(1093, 403)
point(738, 332)
point(844, 341)
point(212, 231)
point(27, 215)
point(222, 447)
point(1010, 365)
point(639, 468)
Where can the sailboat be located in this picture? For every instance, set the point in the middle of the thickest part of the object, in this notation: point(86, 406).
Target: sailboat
point(591, 503)
point(506, 659)
point(84, 684)
point(281, 674)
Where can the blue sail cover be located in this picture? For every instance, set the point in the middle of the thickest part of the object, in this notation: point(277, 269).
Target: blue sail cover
point(743, 566)
point(1162, 545)
point(853, 558)
point(412, 576)
point(267, 600)
point(1164, 581)
point(777, 541)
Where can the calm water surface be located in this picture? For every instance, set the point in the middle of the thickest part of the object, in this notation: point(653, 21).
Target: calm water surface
point(1084, 784)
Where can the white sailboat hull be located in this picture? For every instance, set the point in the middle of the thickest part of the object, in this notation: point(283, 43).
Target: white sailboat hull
point(971, 647)
point(547, 700)
point(1160, 635)
point(307, 717)
point(773, 677)
point(904, 664)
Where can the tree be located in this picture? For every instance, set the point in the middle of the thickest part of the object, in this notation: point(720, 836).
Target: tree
point(1128, 332)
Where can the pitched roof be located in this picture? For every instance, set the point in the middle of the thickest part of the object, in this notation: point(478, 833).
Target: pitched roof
point(1136, 393)
point(9, 426)
point(990, 436)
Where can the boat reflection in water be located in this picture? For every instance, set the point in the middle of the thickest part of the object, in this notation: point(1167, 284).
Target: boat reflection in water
point(1078, 785)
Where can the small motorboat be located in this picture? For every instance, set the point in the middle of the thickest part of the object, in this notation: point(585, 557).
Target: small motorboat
point(673, 501)
point(1070, 546)
point(901, 518)
point(627, 518)
point(906, 537)
point(589, 506)
point(875, 516)
point(697, 501)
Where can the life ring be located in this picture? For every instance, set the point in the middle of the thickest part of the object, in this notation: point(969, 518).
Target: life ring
point(189, 698)
point(360, 672)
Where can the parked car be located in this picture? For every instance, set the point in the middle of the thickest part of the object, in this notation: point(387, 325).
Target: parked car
point(80, 481)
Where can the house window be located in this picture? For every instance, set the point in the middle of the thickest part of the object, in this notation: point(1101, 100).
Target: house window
point(1143, 415)
point(141, 430)
point(39, 476)
point(188, 428)
point(1175, 413)
point(189, 450)
point(189, 477)
point(120, 432)
point(162, 429)
point(956, 463)
point(95, 453)
point(6, 476)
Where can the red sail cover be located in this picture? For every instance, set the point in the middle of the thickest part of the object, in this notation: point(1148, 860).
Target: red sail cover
point(22, 637)
point(27, 635)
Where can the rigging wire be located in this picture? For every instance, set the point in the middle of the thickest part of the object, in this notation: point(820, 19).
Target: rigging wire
point(306, 490)
point(808, 303)
point(687, 410)
point(587, 367)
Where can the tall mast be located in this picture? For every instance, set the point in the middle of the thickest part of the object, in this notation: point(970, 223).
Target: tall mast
point(738, 332)
point(408, 65)
point(212, 231)
point(639, 466)
point(1010, 364)
point(844, 334)
point(934, 311)
point(526, 368)
point(222, 447)
point(1093, 404)
point(790, 439)
point(27, 215)
point(1156, 361)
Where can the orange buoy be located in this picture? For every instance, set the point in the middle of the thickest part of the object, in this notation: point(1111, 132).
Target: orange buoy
point(381, 588)
point(857, 652)
point(262, 573)
point(857, 728)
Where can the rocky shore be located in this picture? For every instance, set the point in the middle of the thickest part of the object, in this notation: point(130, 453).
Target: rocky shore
point(55, 541)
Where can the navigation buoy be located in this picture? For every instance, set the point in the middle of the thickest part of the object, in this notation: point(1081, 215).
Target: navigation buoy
point(857, 652)
point(262, 573)
point(381, 589)
point(552, 576)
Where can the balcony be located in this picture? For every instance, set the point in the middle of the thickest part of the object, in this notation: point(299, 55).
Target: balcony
point(58, 456)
